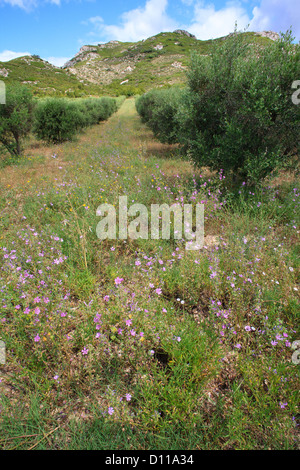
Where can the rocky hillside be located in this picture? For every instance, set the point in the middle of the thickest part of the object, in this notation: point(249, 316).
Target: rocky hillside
point(43, 78)
point(117, 67)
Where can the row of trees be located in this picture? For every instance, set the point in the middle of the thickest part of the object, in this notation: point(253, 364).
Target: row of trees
point(236, 112)
point(53, 120)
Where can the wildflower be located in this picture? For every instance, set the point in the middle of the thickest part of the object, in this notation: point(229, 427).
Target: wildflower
point(128, 396)
point(283, 405)
point(247, 328)
point(110, 410)
point(137, 263)
point(128, 322)
point(118, 280)
point(158, 291)
point(37, 338)
point(84, 351)
point(106, 298)
point(37, 311)
point(238, 345)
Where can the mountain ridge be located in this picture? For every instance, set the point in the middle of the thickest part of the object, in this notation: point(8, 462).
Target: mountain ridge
point(117, 67)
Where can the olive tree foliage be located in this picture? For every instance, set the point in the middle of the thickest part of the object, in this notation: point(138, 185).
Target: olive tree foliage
point(236, 112)
point(16, 117)
point(158, 109)
point(239, 115)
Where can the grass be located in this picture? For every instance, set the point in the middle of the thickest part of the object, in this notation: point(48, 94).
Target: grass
point(191, 350)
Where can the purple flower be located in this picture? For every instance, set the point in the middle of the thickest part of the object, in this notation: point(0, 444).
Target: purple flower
point(118, 280)
point(84, 351)
point(128, 396)
point(110, 410)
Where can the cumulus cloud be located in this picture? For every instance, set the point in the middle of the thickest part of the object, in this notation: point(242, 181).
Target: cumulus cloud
point(152, 18)
point(139, 23)
point(209, 22)
point(277, 15)
point(5, 56)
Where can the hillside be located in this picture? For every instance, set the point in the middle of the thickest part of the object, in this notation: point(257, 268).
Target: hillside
point(44, 78)
point(159, 60)
point(117, 67)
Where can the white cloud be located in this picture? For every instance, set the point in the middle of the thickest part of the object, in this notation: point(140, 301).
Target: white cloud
point(9, 55)
point(152, 18)
point(139, 23)
point(57, 61)
point(209, 23)
point(28, 5)
point(277, 15)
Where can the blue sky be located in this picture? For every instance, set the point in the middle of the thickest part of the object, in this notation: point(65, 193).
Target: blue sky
point(56, 29)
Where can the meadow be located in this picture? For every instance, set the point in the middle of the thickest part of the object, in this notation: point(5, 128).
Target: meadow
point(141, 344)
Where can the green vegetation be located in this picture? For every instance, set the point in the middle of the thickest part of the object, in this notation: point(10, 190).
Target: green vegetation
point(15, 118)
point(43, 79)
point(141, 344)
point(236, 114)
point(52, 120)
point(155, 62)
point(57, 119)
point(158, 109)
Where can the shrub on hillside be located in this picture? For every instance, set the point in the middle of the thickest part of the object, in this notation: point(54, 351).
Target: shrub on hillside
point(15, 118)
